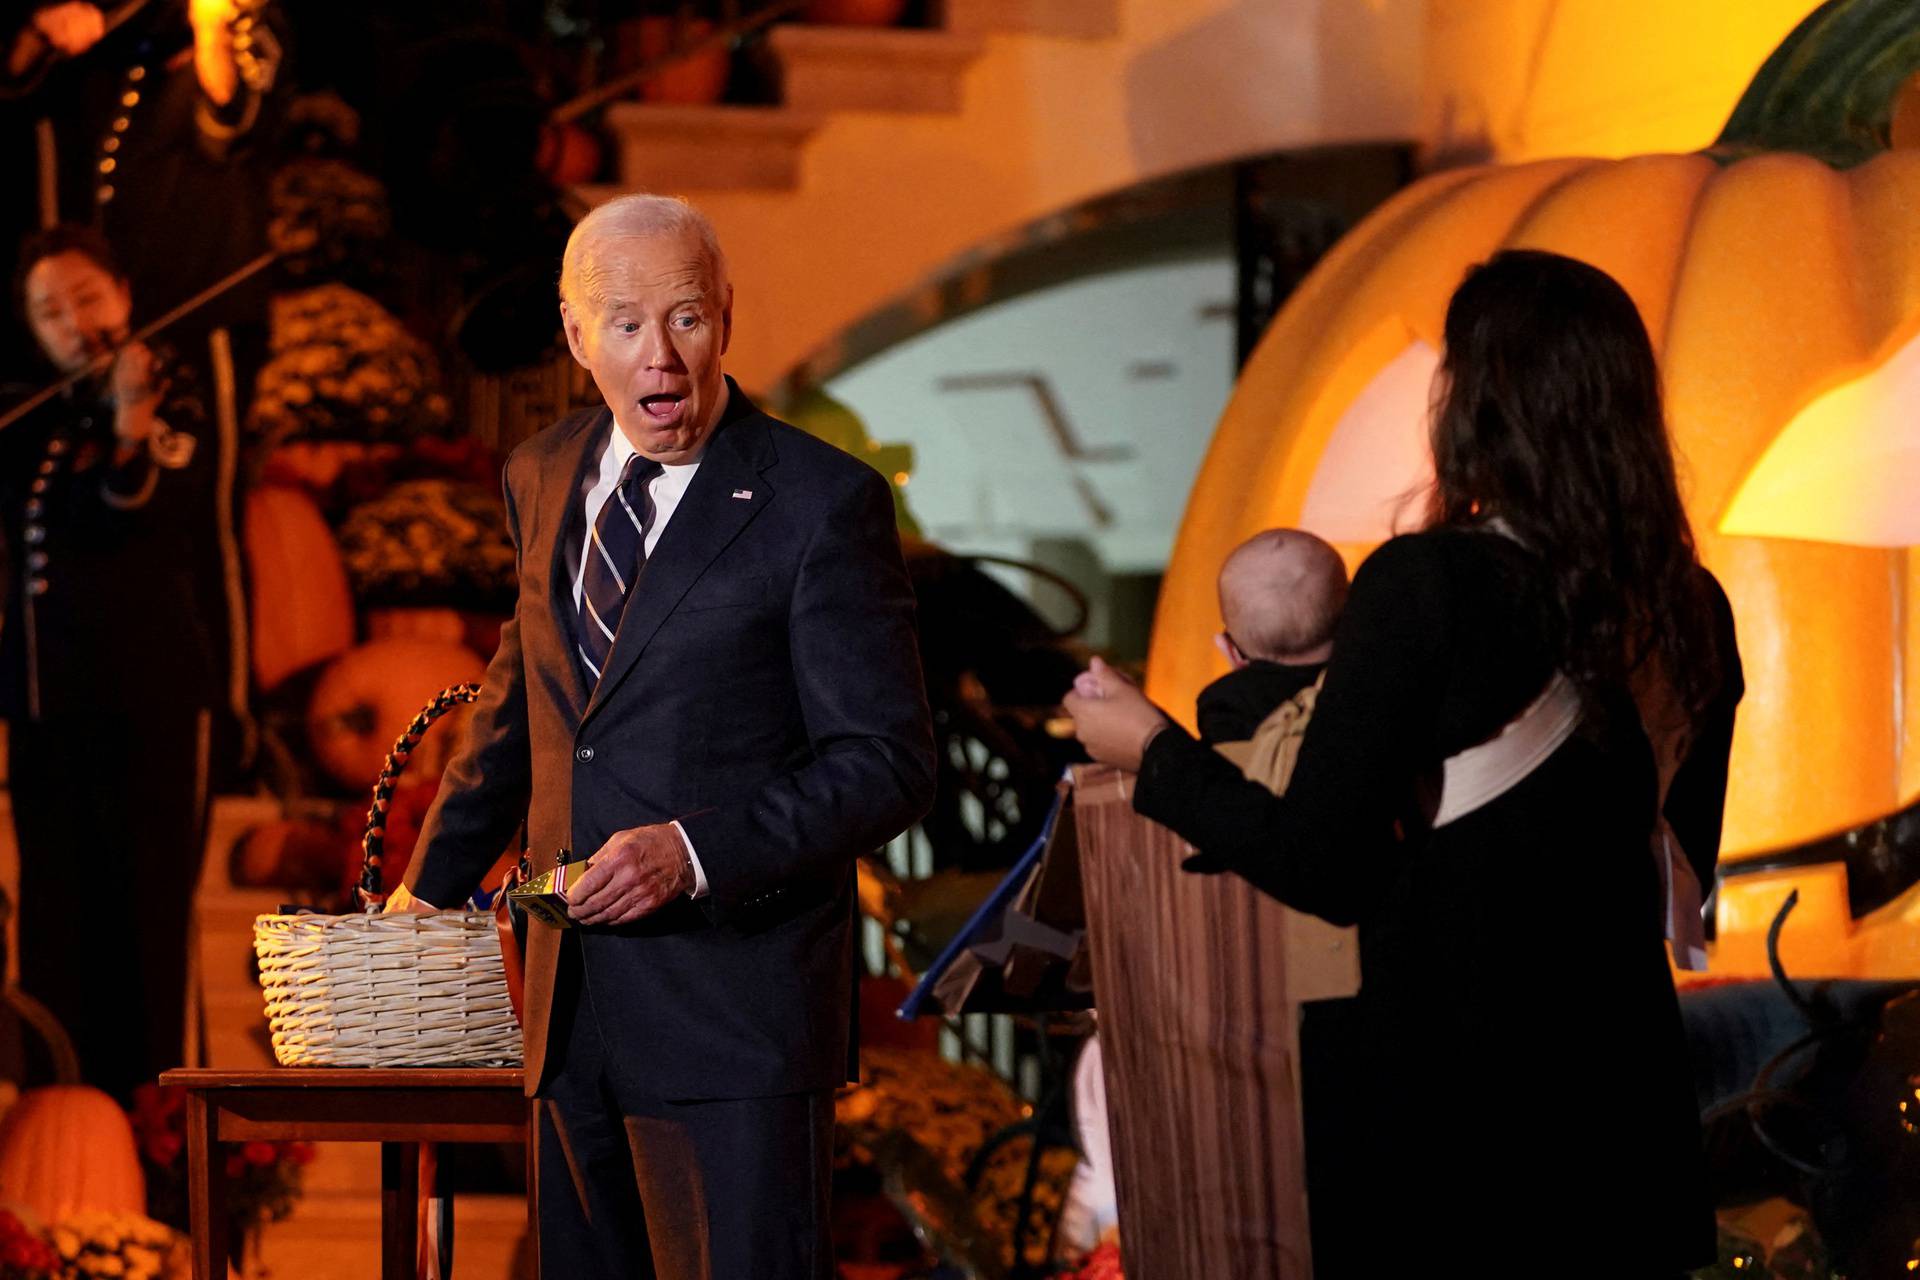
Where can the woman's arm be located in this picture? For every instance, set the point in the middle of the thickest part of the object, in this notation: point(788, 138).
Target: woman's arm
point(1697, 796)
point(1329, 845)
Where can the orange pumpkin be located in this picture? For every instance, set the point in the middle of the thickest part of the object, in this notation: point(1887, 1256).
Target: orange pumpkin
point(480, 632)
point(366, 698)
point(67, 1149)
point(1764, 277)
point(294, 853)
point(694, 80)
point(445, 625)
point(568, 154)
point(302, 609)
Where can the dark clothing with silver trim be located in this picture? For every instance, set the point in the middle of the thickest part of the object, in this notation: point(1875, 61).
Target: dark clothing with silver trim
point(108, 673)
point(106, 603)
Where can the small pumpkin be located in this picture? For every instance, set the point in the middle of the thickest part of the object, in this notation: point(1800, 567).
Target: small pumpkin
point(302, 610)
point(568, 154)
point(295, 853)
point(366, 698)
point(695, 80)
point(445, 625)
point(67, 1149)
point(480, 632)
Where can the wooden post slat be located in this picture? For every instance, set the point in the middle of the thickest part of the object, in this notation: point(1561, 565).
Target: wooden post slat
point(1199, 1037)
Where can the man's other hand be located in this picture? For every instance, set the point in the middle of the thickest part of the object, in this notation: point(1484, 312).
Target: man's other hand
point(402, 900)
point(635, 873)
point(70, 28)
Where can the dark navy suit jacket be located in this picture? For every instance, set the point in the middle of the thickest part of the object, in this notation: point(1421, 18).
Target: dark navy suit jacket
point(764, 689)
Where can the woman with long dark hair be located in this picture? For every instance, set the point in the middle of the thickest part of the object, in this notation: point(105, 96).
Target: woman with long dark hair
point(1514, 772)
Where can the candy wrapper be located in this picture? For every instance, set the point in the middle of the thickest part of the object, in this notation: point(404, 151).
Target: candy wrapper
point(545, 896)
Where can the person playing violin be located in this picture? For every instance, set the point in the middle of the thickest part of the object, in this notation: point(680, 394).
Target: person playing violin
point(109, 668)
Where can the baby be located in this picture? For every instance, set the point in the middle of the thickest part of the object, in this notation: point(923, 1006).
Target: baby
point(1281, 592)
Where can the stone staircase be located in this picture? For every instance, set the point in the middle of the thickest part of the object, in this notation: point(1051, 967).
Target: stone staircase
point(888, 152)
point(824, 70)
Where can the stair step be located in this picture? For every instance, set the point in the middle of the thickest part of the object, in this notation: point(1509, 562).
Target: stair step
point(1078, 19)
point(871, 68)
point(672, 149)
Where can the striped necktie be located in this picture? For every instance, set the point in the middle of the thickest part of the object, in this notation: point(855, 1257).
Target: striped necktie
point(615, 555)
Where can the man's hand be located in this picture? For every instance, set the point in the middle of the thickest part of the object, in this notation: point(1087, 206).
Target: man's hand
point(1112, 718)
point(72, 28)
point(401, 900)
point(635, 873)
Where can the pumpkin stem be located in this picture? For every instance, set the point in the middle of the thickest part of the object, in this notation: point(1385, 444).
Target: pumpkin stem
point(1830, 89)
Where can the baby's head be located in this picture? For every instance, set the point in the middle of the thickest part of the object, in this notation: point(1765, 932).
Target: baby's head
point(1281, 592)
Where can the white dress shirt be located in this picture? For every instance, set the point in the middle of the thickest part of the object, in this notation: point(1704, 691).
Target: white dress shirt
point(664, 491)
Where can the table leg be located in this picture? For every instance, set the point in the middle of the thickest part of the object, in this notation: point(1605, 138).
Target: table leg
point(533, 1182)
point(436, 1218)
point(206, 1191)
point(399, 1210)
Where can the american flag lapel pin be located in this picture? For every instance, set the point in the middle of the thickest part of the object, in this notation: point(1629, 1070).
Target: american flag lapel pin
point(744, 495)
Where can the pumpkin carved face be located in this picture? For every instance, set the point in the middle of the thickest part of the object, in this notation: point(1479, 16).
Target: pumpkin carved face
point(1766, 283)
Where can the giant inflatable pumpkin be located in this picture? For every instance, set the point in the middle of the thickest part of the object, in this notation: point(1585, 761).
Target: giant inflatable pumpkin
point(1776, 272)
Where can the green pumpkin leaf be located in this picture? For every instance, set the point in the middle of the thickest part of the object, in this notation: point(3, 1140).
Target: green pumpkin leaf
point(1828, 91)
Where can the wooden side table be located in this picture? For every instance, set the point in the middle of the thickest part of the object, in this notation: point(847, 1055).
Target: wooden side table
point(400, 1108)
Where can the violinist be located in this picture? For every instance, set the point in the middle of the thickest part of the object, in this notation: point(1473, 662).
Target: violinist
point(108, 668)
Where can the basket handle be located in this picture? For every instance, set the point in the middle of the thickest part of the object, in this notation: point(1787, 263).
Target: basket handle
point(373, 841)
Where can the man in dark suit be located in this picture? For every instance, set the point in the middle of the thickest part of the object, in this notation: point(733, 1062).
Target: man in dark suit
point(710, 684)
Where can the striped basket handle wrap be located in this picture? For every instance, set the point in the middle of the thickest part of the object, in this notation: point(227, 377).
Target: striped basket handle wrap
point(373, 841)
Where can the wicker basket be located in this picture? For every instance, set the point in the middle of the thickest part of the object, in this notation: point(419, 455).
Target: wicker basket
point(372, 990)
